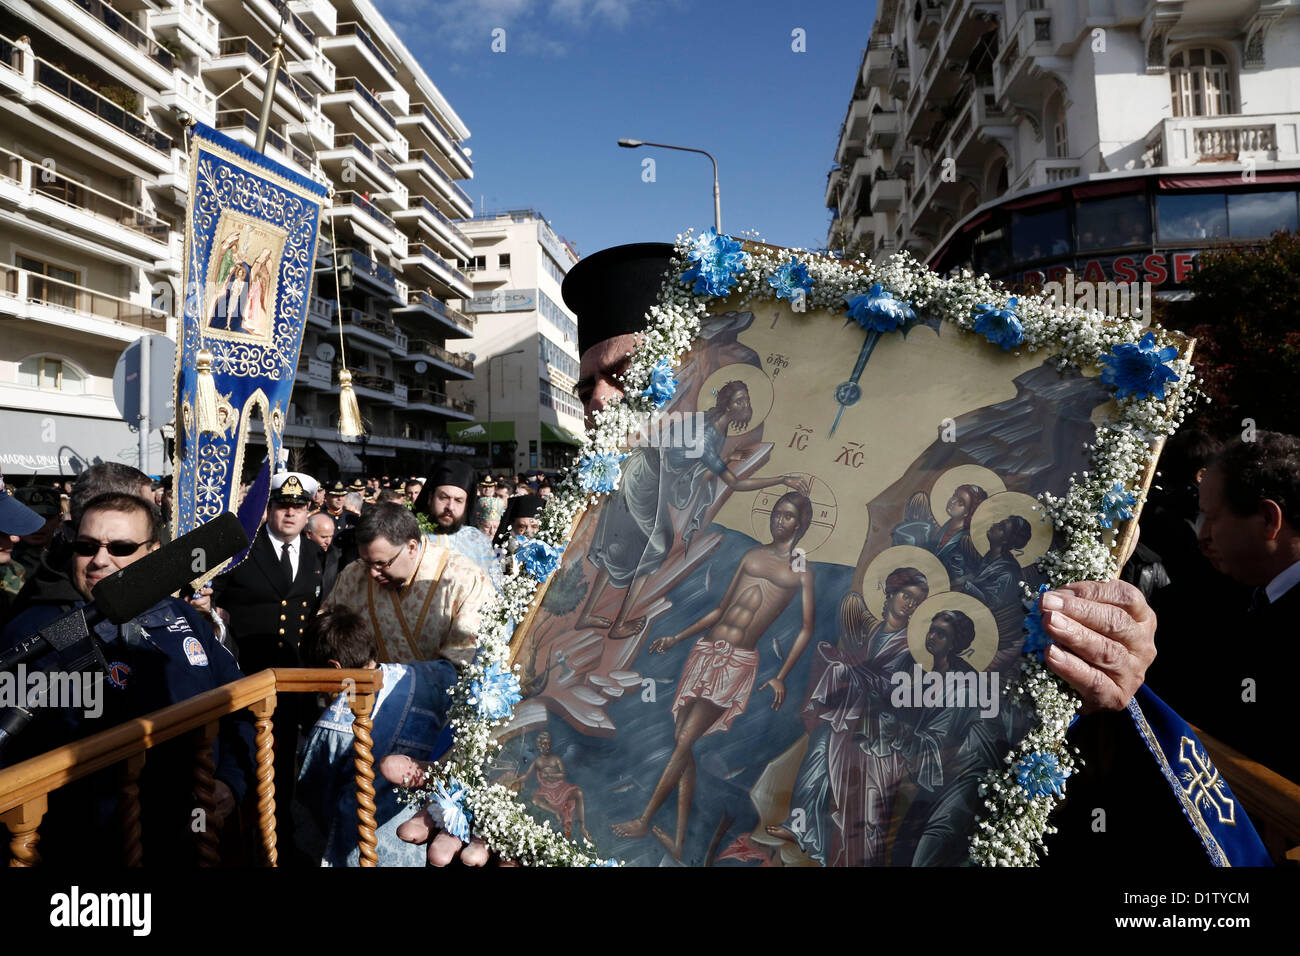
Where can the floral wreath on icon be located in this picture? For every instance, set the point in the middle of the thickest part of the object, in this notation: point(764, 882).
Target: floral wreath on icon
point(1153, 387)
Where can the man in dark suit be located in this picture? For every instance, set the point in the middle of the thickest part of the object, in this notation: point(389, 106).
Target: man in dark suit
point(268, 601)
point(320, 528)
point(1231, 670)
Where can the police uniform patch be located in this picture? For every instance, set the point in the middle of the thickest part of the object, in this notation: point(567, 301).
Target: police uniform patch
point(194, 651)
point(118, 673)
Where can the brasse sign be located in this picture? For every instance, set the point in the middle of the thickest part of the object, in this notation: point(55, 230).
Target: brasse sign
point(1161, 269)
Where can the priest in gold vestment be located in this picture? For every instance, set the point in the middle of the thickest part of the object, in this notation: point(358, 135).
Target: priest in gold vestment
point(422, 601)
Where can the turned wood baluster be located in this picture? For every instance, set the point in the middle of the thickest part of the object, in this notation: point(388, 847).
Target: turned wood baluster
point(132, 850)
point(205, 795)
point(265, 741)
point(22, 822)
point(361, 705)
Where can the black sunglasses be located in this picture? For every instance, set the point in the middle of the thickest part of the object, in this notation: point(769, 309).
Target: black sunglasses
point(118, 549)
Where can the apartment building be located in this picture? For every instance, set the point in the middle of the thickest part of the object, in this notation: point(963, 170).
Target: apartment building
point(1115, 139)
point(93, 184)
point(525, 346)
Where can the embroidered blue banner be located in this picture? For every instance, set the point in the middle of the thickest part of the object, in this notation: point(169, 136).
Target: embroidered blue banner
point(250, 246)
point(1211, 808)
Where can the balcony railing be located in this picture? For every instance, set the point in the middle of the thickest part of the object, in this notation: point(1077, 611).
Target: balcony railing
point(350, 84)
point(33, 287)
point(356, 30)
point(243, 119)
point(357, 319)
point(433, 259)
point(363, 263)
point(72, 193)
point(127, 30)
point(424, 156)
point(352, 141)
point(429, 396)
point(74, 91)
point(433, 350)
point(237, 46)
point(466, 322)
point(438, 214)
point(1188, 140)
point(282, 7)
point(356, 199)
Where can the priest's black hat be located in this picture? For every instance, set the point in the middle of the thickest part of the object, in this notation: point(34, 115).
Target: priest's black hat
point(448, 471)
point(610, 291)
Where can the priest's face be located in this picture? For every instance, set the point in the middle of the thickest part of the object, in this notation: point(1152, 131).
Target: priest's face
point(527, 527)
point(599, 372)
point(448, 507)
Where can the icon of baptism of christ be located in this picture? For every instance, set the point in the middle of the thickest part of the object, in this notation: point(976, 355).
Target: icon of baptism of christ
point(786, 639)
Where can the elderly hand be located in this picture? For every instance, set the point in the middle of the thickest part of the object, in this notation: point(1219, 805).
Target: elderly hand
point(1105, 640)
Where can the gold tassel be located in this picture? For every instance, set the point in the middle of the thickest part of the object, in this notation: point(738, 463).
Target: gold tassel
point(205, 395)
point(349, 412)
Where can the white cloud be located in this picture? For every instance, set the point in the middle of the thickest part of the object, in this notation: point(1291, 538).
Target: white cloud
point(465, 26)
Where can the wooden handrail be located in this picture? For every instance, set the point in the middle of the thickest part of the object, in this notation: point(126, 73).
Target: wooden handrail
point(1272, 800)
point(25, 787)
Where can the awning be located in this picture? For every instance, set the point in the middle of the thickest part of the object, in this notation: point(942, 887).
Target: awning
point(475, 432)
point(557, 434)
point(344, 456)
point(41, 443)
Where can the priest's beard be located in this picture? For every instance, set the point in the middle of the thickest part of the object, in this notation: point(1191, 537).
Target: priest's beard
point(452, 528)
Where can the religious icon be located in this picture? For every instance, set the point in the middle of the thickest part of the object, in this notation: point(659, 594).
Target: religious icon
point(790, 641)
point(242, 278)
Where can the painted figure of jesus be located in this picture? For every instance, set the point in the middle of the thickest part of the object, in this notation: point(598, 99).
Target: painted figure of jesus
point(720, 671)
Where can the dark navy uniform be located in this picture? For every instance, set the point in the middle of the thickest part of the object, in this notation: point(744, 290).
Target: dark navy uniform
point(267, 613)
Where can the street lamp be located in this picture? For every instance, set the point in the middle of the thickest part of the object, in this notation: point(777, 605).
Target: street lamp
point(491, 457)
point(717, 200)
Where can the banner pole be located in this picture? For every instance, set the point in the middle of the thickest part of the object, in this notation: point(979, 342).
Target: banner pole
point(268, 96)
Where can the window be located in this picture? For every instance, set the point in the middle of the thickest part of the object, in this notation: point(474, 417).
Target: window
point(1110, 223)
point(559, 399)
point(503, 260)
point(1200, 82)
point(1059, 147)
point(47, 372)
point(1192, 216)
point(1037, 235)
point(555, 356)
point(1257, 215)
point(567, 328)
point(51, 292)
point(477, 263)
point(552, 269)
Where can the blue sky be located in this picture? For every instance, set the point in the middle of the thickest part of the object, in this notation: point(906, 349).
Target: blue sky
point(576, 75)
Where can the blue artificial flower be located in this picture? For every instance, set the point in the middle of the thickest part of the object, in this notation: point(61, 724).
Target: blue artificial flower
point(1040, 774)
point(878, 310)
point(1000, 326)
point(600, 471)
point(538, 558)
point(662, 384)
point(497, 692)
point(455, 819)
point(718, 260)
point(791, 276)
point(1139, 370)
point(1036, 636)
point(1116, 505)
point(604, 863)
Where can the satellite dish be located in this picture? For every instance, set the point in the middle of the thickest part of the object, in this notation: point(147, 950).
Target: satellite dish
point(325, 352)
point(421, 367)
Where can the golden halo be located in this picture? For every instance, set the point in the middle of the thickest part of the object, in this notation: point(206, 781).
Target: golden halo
point(900, 556)
point(824, 515)
point(996, 507)
point(947, 483)
point(980, 654)
point(759, 385)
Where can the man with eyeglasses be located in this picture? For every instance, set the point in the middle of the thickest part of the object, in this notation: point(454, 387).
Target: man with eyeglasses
point(422, 601)
point(163, 656)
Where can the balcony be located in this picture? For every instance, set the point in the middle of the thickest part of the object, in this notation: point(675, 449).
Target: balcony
point(242, 125)
point(446, 279)
point(45, 86)
point(369, 272)
point(448, 153)
point(927, 27)
point(365, 219)
point(875, 68)
point(187, 94)
point(422, 350)
point(113, 35)
point(450, 323)
point(317, 14)
point(366, 328)
point(320, 312)
point(316, 68)
point(350, 150)
point(967, 21)
point(241, 60)
point(354, 51)
point(886, 195)
point(38, 298)
point(1045, 172)
point(55, 204)
point(438, 227)
point(430, 400)
point(189, 25)
point(900, 74)
point(1031, 38)
point(853, 131)
point(313, 373)
point(1189, 140)
point(455, 200)
point(883, 130)
point(352, 105)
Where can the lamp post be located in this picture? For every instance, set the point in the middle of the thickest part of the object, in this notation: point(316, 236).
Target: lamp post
point(491, 457)
point(717, 196)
